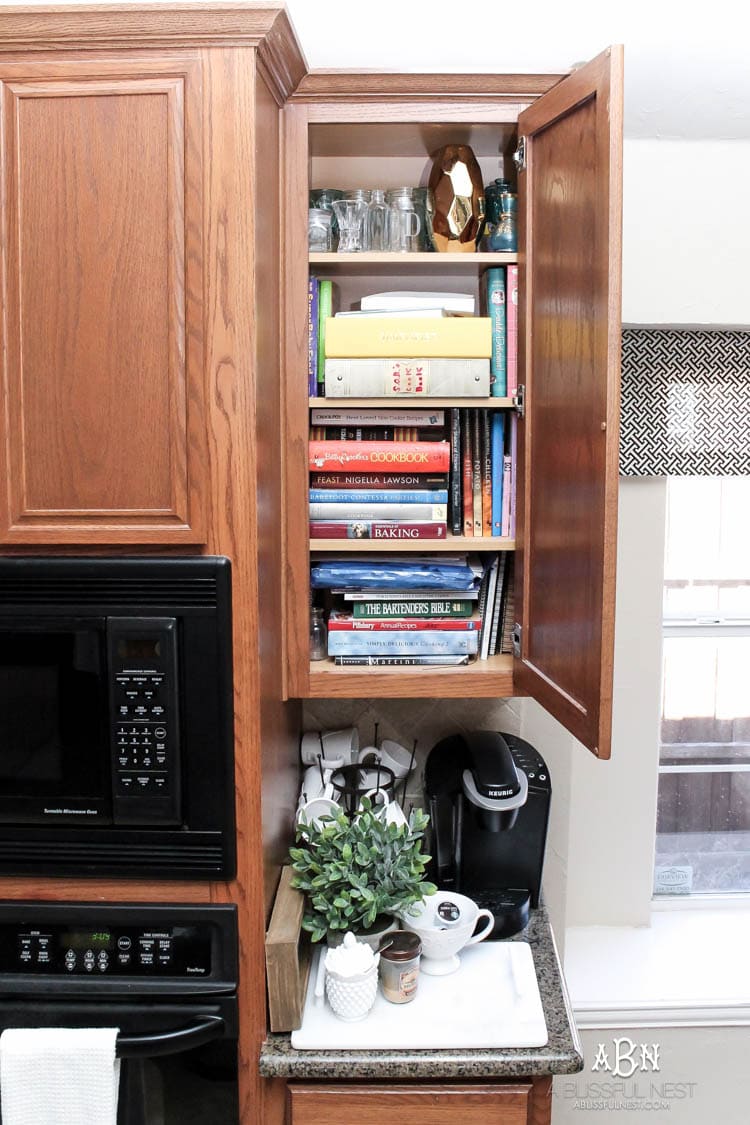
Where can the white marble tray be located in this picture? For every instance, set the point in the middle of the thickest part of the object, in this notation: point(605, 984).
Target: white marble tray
point(491, 1001)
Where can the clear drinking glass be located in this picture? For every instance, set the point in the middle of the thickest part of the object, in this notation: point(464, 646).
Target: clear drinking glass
point(351, 215)
point(319, 230)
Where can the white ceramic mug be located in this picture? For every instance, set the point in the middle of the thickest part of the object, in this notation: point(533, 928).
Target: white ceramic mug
point(337, 747)
point(314, 786)
point(313, 812)
point(443, 939)
point(391, 754)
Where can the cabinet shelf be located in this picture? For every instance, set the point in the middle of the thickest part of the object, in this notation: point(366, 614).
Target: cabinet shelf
point(421, 546)
point(422, 262)
point(407, 402)
point(484, 679)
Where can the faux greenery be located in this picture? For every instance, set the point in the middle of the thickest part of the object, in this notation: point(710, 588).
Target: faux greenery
point(354, 869)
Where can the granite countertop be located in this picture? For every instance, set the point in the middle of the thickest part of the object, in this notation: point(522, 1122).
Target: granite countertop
point(562, 1054)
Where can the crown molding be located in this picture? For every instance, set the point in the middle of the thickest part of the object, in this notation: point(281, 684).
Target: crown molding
point(75, 27)
point(344, 85)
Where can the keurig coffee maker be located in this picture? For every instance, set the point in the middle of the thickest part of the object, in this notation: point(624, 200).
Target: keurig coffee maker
point(488, 796)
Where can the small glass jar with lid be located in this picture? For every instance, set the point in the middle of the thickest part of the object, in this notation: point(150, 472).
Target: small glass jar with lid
point(400, 951)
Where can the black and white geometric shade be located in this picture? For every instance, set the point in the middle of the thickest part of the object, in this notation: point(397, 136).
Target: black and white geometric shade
point(685, 402)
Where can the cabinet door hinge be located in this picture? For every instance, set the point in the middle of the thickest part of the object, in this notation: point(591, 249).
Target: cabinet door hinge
point(517, 635)
point(520, 399)
point(519, 156)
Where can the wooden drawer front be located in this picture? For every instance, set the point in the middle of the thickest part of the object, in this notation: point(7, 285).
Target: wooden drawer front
point(427, 1105)
point(103, 356)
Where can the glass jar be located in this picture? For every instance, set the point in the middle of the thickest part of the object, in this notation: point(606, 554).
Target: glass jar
point(376, 235)
point(319, 231)
point(504, 234)
point(323, 198)
point(400, 951)
point(318, 635)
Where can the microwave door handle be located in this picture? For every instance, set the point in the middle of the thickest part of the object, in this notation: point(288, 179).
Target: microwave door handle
point(170, 1042)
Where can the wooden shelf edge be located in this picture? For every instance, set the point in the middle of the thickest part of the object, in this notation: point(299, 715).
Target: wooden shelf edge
point(484, 679)
point(422, 546)
point(483, 258)
point(408, 402)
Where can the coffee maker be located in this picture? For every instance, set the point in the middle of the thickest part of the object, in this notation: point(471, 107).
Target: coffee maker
point(489, 796)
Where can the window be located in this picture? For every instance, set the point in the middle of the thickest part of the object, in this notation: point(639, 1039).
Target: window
point(703, 821)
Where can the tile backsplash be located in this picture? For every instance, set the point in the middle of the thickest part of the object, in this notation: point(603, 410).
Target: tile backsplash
point(404, 720)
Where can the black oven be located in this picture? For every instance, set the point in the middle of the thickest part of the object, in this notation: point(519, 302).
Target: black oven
point(165, 976)
point(116, 732)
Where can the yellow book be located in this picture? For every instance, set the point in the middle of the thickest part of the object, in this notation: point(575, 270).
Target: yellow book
point(354, 337)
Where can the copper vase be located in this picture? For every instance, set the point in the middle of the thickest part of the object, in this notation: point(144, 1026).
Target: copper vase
point(455, 200)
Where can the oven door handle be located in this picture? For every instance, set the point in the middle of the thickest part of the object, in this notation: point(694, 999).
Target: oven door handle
point(196, 1034)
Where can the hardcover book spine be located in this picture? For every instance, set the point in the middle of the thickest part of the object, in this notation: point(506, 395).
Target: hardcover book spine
point(401, 661)
point(467, 461)
point(378, 480)
point(507, 490)
point(340, 416)
point(375, 529)
point(325, 311)
point(498, 445)
point(423, 456)
point(312, 336)
point(513, 474)
point(446, 624)
point(442, 642)
point(411, 607)
point(402, 338)
point(421, 377)
point(486, 473)
point(476, 473)
point(456, 473)
point(512, 329)
point(378, 496)
point(413, 512)
point(496, 294)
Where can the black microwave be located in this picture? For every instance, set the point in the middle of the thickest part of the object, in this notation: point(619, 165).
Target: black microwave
point(116, 717)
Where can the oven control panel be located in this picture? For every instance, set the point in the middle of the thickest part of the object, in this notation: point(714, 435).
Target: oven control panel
point(142, 656)
point(173, 951)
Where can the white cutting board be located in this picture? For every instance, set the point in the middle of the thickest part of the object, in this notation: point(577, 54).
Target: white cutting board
point(492, 1000)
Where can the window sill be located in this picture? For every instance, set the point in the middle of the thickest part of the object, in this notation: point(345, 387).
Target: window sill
point(687, 969)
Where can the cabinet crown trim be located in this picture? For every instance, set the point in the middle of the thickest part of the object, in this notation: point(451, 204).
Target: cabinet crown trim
point(332, 85)
point(262, 24)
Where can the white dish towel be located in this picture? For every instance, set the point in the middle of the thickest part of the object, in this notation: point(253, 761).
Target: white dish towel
point(59, 1076)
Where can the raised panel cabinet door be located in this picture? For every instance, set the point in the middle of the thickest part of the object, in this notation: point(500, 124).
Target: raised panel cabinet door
point(426, 1104)
point(103, 427)
point(569, 353)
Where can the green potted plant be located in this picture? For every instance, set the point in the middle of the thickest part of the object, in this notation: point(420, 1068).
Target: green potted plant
point(359, 871)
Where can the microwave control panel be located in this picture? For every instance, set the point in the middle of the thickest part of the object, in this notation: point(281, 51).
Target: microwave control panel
point(142, 656)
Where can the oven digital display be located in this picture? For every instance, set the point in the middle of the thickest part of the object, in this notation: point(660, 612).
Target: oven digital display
point(87, 939)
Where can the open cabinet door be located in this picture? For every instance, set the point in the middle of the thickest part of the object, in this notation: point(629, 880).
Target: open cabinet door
point(570, 189)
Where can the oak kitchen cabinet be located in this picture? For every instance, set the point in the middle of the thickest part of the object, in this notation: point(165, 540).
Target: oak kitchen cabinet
point(349, 130)
point(140, 220)
point(431, 1104)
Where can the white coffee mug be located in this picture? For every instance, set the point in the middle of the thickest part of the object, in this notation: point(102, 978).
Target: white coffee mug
point(443, 936)
point(391, 754)
point(313, 785)
point(335, 747)
point(313, 812)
